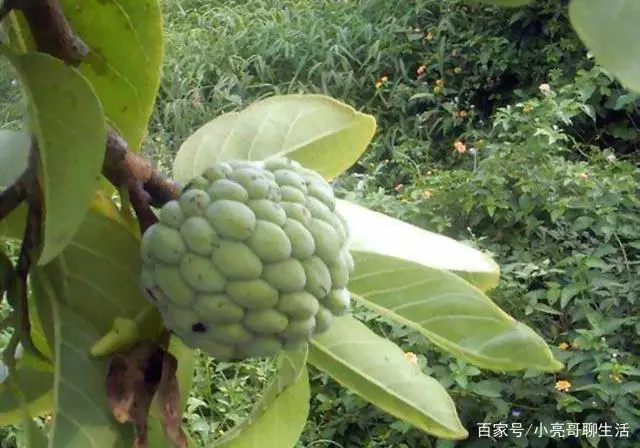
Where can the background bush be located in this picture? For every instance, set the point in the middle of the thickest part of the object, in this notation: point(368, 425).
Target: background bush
point(494, 126)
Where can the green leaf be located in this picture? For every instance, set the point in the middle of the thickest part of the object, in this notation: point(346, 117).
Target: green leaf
point(278, 418)
point(125, 38)
point(376, 369)
point(450, 312)
point(37, 385)
point(35, 437)
point(318, 131)
point(100, 273)
point(66, 118)
point(381, 234)
point(81, 415)
point(606, 28)
point(14, 154)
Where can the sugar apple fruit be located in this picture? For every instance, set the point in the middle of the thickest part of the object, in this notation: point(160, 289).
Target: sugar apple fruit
point(250, 260)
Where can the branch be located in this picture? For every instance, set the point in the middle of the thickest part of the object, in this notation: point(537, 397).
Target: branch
point(51, 30)
point(124, 169)
point(11, 197)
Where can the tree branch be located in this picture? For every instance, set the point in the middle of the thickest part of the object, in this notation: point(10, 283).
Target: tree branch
point(11, 197)
point(51, 30)
point(124, 169)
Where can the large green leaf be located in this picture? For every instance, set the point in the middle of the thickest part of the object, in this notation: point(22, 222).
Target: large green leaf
point(81, 413)
point(318, 131)
point(125, 38)
point(377, 370)
point(609, 29)
point(100, 272)
point(278, 418)
point(452, 313)
point(66, 117)
point(381, 234)
point(35, 436)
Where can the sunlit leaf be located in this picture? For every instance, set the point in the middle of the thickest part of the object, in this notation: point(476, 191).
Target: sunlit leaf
point(381, 234)
point(377, 370)
point(452, 313)
point(278, 418)
point(318, 131)
point(66, 117)
point(607, 28)
point(125, 38)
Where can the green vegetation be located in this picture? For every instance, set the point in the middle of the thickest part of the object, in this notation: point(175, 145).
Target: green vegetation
point(494, 126)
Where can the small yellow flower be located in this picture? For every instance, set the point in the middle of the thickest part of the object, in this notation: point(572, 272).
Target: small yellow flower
point(460, 147)
point(527, 108)
point(563, 346)
point(584, 176)
point(563, 385)
point(426, 194)
point(378, 84)
point(428, 36)
point(384, 79)
point(457, 70)
point(439, 83)
point(411, 357)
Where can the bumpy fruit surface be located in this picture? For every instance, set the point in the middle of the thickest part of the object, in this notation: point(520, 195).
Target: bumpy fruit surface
point(250, 260)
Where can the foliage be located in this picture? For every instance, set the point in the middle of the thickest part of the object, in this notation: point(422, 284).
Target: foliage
point(478, 138)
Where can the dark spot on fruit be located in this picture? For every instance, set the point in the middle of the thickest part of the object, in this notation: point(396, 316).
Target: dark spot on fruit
point(150, 293)
point(199, 328)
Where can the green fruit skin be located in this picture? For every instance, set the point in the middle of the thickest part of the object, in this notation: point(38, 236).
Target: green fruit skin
point(318, 277)
point(200, 274)
point(253, 294)
point(302, 243)
point(199, 236)
point(171, 215)
point(226, 189)
point(194, 202)
point(328, 244)
point(218, 309)
point(173, 285)
point(338, 301)
point(300, 330)
point(231, 219)
point(267, 321)
point(236, 261)
point(298, 305)
point(268, 211)
point(324, 319)
point(286, 276)
point(166, 244)
point(250, 260)
point(269, 242)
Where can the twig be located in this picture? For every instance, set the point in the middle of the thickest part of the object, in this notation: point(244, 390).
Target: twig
point(12, 196)
point(51, 30)
point(29, 252)
point(123, 168)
